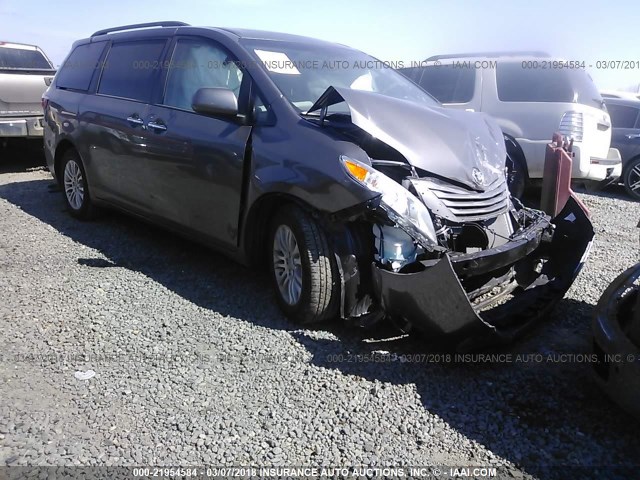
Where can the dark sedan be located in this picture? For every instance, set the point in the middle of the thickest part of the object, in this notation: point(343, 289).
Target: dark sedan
point(625, 117)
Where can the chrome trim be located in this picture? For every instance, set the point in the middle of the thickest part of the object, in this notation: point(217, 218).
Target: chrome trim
point(460, 204)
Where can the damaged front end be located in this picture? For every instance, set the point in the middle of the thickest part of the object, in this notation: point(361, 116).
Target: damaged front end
point(493, 294)
point(453, 254)
point(483, 281)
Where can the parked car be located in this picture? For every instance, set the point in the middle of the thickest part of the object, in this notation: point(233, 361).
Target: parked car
point(25, 73)
point(606, 94)
point(616, 342)
point(365, 198)
point(626, 138)
point(531, 97)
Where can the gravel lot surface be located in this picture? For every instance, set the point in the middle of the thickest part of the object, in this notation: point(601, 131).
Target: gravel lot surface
point(194, 364)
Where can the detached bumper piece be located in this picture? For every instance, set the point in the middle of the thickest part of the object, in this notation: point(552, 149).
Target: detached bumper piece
point(616, 341)
point(535, 270)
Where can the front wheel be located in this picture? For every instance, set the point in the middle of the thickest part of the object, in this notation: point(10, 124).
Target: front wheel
point(303, 268)
point(75, 187)
point(631, 178)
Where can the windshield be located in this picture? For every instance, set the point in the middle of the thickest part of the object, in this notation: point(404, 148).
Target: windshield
point(18, 58)
point(302, 72)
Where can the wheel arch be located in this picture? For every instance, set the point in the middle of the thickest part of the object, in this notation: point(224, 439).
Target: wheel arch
point(351, 244)
point(258, 220)
point(63, 147)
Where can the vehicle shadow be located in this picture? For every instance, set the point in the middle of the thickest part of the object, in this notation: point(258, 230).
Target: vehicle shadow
point(546, 401)
point(21, 156)
point(539, 391)
point(615, 191)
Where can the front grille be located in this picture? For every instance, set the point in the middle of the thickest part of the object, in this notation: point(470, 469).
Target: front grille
point(572, 126)
point(463, 205)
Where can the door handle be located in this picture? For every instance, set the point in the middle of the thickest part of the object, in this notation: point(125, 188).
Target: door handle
point(633, 135)
point(157, 126)
point(135, 120)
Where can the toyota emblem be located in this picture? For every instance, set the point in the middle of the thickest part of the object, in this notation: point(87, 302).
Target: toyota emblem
point(478, 176)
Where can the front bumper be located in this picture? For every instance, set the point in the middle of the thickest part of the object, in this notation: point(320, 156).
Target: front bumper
point(31, 127)
point(616, 322)
point(435, 302)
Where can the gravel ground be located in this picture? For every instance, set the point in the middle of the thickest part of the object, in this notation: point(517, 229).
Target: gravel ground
point(194, 364)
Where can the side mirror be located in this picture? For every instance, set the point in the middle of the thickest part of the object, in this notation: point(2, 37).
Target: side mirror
point(215, 101)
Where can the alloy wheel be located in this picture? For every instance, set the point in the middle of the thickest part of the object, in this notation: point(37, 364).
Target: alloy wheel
point(633, 180)
point(287, 264)
point(74, 184)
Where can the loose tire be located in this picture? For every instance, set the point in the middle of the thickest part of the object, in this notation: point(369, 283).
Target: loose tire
point(303, 268)
point(74, 186)
point(631, 178)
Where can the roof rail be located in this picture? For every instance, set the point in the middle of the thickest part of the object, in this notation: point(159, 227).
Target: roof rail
point(140, 25)
point(489, 55)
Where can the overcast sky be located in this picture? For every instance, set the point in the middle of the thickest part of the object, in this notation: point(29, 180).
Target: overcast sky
point(395, 31)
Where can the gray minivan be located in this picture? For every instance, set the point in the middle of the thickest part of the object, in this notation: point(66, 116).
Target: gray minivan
point(364, 197)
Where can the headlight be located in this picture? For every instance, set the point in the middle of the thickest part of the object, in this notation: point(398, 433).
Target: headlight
point(401, 206)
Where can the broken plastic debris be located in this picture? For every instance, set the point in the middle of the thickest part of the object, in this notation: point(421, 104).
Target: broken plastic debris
point(84, 375)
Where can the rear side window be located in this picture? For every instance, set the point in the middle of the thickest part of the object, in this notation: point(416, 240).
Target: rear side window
point(518, 84)
point(623, 116)
point(22, 58)
point(130, 69)
point(449, 84)
point(77, 71)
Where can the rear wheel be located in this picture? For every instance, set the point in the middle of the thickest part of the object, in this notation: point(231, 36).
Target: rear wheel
point(631, 178)
point(75, 187)
point(303, 268)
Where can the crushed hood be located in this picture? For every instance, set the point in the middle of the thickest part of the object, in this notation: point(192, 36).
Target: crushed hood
point(450, 143)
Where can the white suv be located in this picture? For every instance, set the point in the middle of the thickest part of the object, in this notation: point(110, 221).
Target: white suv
point(25, 73)
point(531, 96)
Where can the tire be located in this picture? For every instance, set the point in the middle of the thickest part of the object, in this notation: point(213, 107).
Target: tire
point(517, 176)
point(313, 270)
point(631, 178)
point(75, 189)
